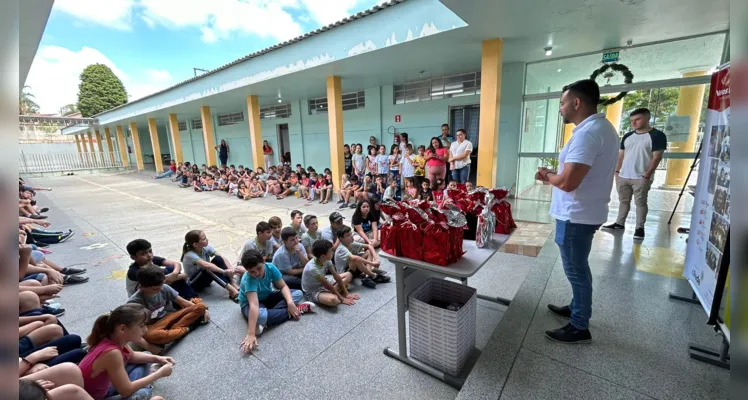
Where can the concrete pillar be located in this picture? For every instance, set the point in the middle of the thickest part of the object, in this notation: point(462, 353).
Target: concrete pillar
point(335, 124)
point(208, 136)
point(255, 131)
point(175, 140)
point(99, 142)
point(153, 130)
point(122, 143)
point(136, 145)
point(613, 114)
point(690, 101)
point(90, 145)
point(109, 145)
point(490, 102)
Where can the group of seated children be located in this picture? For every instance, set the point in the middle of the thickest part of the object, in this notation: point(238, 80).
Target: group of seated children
point(279, 181)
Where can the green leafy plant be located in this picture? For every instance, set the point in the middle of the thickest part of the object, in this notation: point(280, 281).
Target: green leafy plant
point(99, 90)
point(549, 162)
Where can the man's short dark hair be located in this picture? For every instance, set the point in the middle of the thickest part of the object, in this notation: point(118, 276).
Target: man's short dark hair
point(641, 111)
point(294, 213)
point(340, 232)
point(151, 275)
point(252, 258)
point(287, 233)
point(586, 90)
point(308, 219)
point(263, 226)
point(137, 245)
point(443, 125)
point(464, 132)
point(321, 247)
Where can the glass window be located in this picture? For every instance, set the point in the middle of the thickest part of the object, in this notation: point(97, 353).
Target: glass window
point(197, 123)
point(647, 63)
point(442, 87)
point(351, 101)
point(275, 111)
point(182, 125)
point(230, 118)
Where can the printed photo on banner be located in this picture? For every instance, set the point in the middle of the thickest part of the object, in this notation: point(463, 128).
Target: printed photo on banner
point(723, 179)
point(724, 153)
point(721, 201)
point(713, 257)
point(715, 140)
point(713, 173)
point(718, 231)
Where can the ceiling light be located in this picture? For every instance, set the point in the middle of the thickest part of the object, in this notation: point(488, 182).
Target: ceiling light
point(548, 50)
point(279, 100)
point(558, 70)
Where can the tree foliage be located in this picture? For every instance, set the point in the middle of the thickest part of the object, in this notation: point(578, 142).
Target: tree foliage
point(68, 109)
point(99, 90)
point(26, 103)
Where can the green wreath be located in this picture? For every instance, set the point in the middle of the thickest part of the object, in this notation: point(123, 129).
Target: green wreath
point(628, 77)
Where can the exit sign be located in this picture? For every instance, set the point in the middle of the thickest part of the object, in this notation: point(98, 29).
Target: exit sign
point(611, 56)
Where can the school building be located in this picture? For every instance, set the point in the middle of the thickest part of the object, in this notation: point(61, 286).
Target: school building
point(494, 68)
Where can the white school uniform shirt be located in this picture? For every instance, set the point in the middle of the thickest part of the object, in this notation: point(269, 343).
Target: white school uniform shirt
point(406, 168)
point(594, 142)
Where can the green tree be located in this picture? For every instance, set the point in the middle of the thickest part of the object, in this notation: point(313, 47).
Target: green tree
point(68, 109)
point(26, 103)
point(99, 90)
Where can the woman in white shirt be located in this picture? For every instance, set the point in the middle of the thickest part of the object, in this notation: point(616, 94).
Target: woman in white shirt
point(459, 157)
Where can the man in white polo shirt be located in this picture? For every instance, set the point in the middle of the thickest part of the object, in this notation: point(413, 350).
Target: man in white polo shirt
point(640, 154)
point(581, 192)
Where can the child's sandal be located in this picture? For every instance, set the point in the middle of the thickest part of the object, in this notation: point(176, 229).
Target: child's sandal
point(235, 298)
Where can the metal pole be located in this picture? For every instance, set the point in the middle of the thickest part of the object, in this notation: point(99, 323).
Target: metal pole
point(685, 183)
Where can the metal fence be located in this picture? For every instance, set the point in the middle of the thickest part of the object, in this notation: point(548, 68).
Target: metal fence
point(58, 162)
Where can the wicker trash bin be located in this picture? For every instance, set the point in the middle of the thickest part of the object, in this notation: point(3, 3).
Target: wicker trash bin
point(441, 338)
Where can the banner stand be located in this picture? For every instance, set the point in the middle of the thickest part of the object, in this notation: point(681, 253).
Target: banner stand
point(693, 299)
point(719, 358)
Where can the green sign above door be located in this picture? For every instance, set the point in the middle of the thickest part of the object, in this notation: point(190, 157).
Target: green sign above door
point(611, 56)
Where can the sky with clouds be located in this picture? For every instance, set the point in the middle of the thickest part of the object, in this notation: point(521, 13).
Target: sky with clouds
point(153, 44)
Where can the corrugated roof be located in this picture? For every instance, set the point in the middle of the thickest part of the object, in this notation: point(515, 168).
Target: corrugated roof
point(258, 53)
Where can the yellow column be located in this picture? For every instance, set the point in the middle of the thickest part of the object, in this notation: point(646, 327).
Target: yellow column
point(83, 142)
point(568, 130)
point(175, 140)
point(613, 114)
point(136, 145)
point(690, 101)
point(109, 146)
point(122, 143)
point(78, 143)
point(335, 124)
point(255, 131)
point(99, 142)
point(490, 101)
point(90, 144)
point(208, 137)
point(153, 130)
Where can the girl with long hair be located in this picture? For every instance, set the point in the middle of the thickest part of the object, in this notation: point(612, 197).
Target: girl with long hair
point(112, 369)
point(436, 160)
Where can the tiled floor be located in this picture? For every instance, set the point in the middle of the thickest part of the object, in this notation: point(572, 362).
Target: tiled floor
point(640, 336)
point(318, 357)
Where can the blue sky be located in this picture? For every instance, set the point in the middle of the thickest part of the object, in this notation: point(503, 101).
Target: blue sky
point(153, 44)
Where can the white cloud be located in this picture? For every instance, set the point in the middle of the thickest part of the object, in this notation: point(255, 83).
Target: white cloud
point(219, 19)
point(55, 74)
point(115, 14)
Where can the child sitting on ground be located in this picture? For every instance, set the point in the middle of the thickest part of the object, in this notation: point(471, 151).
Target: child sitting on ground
point(261, 242)
point(265, 299)
point(304, 186)
point(197, 183)
point(255, 189)
point(411, 192)
point(312, 186)
point(165, 324)
point(202, 270)
point(469, 186)
point(233, 189)
point(317, 287)
point(290, 258)
point(243, 191)
point(141, 253)
point(223, 183)
point(359, 259)
point(425, 192)
point(349, 192)
point(111, 367)
point(312, 234)
point(437, 191)
point(345, 184)
point(276, 225)
point(389, 193)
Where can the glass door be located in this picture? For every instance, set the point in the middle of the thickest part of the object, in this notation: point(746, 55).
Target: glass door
point(540, 142)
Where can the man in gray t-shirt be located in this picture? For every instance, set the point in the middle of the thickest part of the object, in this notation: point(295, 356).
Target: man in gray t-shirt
point(261, 243)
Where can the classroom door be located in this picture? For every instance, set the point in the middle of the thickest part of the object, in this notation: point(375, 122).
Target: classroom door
point(467, 118)
point(284, 145)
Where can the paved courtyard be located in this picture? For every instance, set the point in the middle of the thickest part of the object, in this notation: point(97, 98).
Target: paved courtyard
point(324, 355)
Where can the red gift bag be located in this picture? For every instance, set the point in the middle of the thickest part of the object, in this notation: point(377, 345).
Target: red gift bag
point(390, 242)
point(456, 235)
point(411, 240)
point(504, 221)
point(435, 240)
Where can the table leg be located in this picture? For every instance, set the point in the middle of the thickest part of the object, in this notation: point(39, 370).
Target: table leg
point(496, 299)
point(400, 294)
